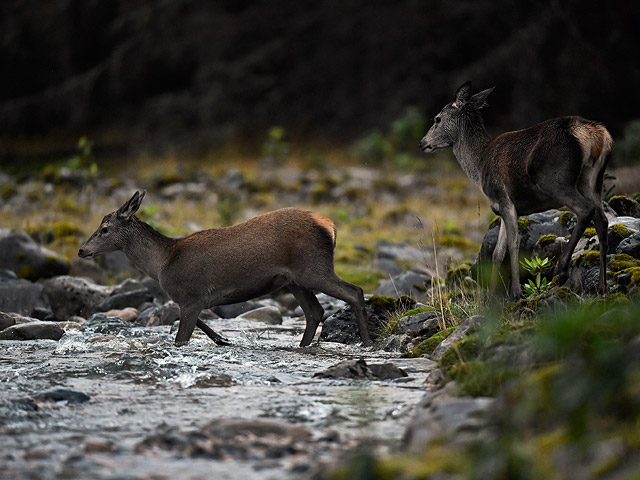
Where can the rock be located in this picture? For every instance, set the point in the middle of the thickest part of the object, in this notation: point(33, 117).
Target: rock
point(621, 228)
point(393, 343)
point(100, 323)
point(36, 330)
point(154, 288)
point(30, 260)
point(117, 264)
point(9, 319)
point(270, 315)
point(458, 418)
point(235, 309)
point(625, 206)
point(220, 380)
point(74, 296)
point(63, 395)
point(421, 324)
point(22, 296)
point(531, 228)
point(356, 369)
point(7, 275)
point(82, 267)
point(408, 283)
point(457, 335)
point(387, 371)
point(118, 301)
point(98, 445)
point(163, 315)
point(231, 437)
point(630, 246)
point(190, 190)
point(42, 313)
point(128, 314)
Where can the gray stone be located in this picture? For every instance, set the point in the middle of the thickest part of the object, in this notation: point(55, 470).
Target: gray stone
point(458, 418)
point(63, 395)
point(74, 296)
point(270, 315)
point(118, 301)
point(393, 343)
point(630, 246)
point(235, 309)
point(9, 319)
point(22, 296)
point(7, 275)
point(163, 315)
point(420, 324)
point(625, 206)
point(457, 335)
point(355, 369)
point(36, 330)
point(408, 283)
point(30, 260)
point(387, 371)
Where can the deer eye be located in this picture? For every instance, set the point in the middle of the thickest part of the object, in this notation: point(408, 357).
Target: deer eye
point(104, 230)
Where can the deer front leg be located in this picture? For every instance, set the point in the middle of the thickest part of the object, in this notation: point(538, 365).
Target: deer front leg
point(188, 319)
point(498, 255)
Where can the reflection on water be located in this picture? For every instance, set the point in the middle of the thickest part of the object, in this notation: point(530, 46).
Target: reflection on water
point(138, 381)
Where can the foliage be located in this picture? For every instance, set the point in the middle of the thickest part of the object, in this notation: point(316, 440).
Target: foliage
point(373, 148)
point(607, 191)
point(408, 129)
point(629, 147)
point(276, 147)
point(535, 266)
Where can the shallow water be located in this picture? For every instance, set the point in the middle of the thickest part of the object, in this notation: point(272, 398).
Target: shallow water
point(139, 382)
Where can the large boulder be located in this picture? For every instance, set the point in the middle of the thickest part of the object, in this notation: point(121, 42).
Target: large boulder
point(22, 296)
point(30, 260)
point(71, 296)
point(35, 330)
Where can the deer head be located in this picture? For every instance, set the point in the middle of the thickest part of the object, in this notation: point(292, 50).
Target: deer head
point(112, 234)
point(448, 123)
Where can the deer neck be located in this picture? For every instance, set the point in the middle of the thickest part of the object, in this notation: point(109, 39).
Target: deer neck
point(147, 248)
point(468, 148)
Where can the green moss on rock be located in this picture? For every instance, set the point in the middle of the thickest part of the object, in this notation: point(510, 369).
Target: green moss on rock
point(588, 259)
point(416, 311)
point(458, 274)
point(620, 230)
point(545, 240)
point(589, 232)
point(566, 218)
point(426, 347)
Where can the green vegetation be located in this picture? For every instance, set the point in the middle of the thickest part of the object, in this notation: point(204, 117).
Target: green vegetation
point(535, 266)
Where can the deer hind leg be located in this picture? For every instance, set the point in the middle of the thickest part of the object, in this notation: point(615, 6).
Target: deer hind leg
point(334, 286)
point(602, 225)
point(498, 255)
point(312, 309)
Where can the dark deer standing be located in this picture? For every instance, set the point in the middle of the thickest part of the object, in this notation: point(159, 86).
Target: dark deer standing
point(556, 163)
point(287, 248)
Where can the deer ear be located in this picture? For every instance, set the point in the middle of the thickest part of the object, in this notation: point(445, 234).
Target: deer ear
point(462, 95)
point(480, 98)
point(132, 205)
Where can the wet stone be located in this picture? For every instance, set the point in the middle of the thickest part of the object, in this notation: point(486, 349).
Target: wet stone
point(356, 369)
point(235, 309)
point(387, 371)
point(457, 335)
point(165, 314)
point(22, 296)
point(118, 301)
point(36, 330)
point(74, 296)
point(409, 283)
point(630, 246)
point(423, 324)
point(30, 260)
point(269, 315)
point(63, 395)
point(128, 314)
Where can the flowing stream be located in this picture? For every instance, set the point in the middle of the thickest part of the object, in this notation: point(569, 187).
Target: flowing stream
point(139, 384)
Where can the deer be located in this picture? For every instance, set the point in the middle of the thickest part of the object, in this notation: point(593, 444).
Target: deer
point(559, 162)
point(289, 247)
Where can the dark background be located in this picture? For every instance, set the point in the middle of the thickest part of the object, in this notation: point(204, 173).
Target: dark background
point(194, 74)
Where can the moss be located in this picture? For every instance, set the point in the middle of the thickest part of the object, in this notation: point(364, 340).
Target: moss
point(545, 240)
point(621, 262)
point(564, 293)
point(589, 232)
point(523, 224)
point(453, 240)
point(495, 222)
point(620, 230)
point(480, 379)
point(458, 274)
point(7, 191)
point(566, 218)
point(462, 351)
point(20, 256)
point(26, 271)
point(426, 347)
point(416, 311)
point(588, 259)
